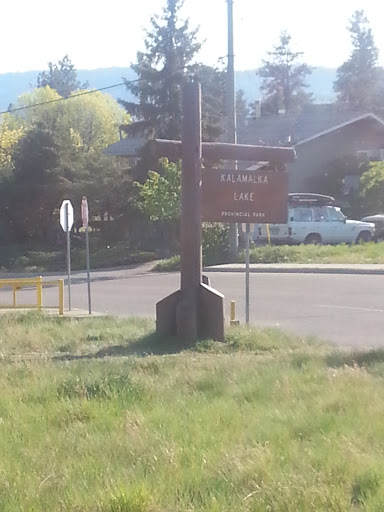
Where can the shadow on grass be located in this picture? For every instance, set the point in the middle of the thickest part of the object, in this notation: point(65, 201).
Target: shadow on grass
point(152, 344)
point(356, 358)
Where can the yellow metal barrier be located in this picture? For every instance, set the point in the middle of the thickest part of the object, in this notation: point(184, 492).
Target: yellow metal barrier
point(18, 284)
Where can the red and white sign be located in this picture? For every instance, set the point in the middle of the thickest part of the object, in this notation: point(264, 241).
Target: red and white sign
point(84, 212)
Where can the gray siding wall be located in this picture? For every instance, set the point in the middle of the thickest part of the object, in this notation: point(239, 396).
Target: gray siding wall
point(314, 157)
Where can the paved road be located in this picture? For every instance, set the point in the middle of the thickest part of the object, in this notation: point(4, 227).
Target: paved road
point(346, 309)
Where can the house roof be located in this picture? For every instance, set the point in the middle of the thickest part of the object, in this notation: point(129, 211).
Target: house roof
point(128, 146)
point(299, 128)
point(291, 129)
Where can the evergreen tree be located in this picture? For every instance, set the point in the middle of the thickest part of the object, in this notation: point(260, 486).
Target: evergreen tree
point(30, 196)
point(242, 110)
point(62, 77)
point(170, 47)
point(358, 78)
point(284, 79)
point(213, 84)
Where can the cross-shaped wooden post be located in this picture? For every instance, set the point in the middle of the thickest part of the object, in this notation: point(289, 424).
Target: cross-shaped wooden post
point(196, 311)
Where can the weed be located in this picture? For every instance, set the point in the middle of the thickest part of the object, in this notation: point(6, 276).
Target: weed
point(365, 485)
point(137, 500)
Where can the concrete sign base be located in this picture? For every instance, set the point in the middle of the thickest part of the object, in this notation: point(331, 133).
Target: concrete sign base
point(173, 314)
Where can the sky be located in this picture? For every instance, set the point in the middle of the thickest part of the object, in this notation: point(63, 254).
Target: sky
point(98, 34)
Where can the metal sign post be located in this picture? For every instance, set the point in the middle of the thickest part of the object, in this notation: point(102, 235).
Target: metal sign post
point(247, 275)
point(68, 254)
point(66, 221)
point(85, 216)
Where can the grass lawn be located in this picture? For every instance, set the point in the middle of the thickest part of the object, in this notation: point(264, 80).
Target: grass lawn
point(356, 253)
point(101, 415)
point(349, 254)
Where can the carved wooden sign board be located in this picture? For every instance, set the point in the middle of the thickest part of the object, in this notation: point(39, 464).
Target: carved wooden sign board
point(244, 196)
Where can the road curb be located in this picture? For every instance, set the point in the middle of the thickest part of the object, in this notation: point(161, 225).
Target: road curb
point(298, 270)
point(140, 267)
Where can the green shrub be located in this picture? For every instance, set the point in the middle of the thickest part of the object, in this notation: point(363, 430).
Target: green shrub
point(38, 261)
point(215, 248)
point(113, 256)
point(215, 243)
point(274, 254)
point(169, 265)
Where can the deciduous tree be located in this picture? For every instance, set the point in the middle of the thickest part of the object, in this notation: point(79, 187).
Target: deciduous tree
point(93, 120)
point(372, 188)
point(159, 196)
point(88, 122)
point(10, 133)
point(59, 153)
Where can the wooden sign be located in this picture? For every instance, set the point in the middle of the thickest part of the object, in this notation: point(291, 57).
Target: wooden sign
point(244, 196)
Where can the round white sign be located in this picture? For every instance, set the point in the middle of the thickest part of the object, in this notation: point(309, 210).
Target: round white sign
point(66, 215)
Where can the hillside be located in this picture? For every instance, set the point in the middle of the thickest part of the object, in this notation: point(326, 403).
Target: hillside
point(14, 84)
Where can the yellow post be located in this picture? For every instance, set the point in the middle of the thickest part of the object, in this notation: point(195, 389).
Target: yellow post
point(14, 295)
point(233, 310)
point(233, 314)
point(39, 288)
point(61, 296)
point(268, 234)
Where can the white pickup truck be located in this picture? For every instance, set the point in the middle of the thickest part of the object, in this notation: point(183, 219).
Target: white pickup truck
point(313, 219)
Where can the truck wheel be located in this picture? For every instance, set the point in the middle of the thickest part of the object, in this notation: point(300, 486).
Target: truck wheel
point(313, 238)
point(364, 236)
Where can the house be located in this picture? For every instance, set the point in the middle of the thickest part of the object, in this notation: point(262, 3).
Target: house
point(127, 149)
point(320, 134)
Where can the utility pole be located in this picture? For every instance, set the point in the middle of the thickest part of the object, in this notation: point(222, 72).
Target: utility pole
point(231, 114)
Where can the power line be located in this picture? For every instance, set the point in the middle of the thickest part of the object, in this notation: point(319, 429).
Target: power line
point(83, 93)
point(69, 97)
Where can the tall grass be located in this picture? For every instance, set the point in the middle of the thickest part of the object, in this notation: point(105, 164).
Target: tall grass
point(342, 253)
point(265, 422)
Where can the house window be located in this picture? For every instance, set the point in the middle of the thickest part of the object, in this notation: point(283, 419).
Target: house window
point(362, 156)
point(351, 183)
point(368, 155)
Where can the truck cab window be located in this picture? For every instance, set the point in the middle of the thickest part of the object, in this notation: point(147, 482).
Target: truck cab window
point(335, 214)
point(302, 215)
point(320, 214)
